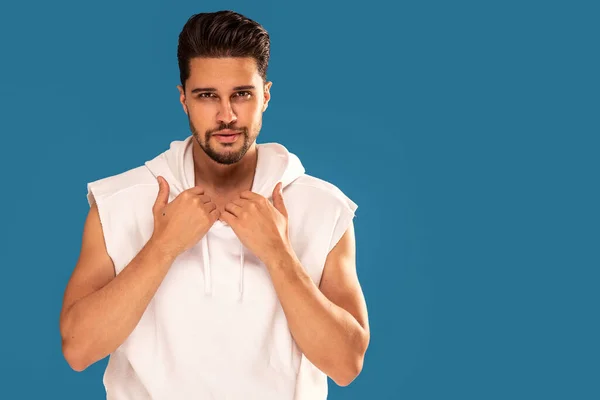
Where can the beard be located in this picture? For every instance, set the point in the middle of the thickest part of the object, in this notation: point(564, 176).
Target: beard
point(226, 157)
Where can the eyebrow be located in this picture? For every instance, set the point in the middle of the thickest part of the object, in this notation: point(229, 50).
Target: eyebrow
point(209, 89)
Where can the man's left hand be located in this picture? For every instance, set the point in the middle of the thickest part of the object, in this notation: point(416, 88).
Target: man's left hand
point(261, 226)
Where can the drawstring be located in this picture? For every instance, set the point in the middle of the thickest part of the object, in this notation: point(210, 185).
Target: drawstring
point(207, 271)
point(206, 262)
point(241, 269)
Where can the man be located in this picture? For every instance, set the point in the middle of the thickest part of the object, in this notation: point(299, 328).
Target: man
point(219, 269)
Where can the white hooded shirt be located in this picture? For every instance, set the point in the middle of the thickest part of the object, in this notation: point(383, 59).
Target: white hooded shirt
point(215, 328)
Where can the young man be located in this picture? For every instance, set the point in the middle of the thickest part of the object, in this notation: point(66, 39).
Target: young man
point(219, 269)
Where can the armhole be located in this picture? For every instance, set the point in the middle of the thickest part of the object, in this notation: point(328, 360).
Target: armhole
point(343, 220)
point(92, 198)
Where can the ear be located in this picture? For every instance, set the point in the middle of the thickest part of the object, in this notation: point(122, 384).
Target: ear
point(182, 98)
point(267, 95)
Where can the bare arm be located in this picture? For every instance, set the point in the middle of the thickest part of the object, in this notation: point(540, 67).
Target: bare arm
point(329, 323)
point(100, 310)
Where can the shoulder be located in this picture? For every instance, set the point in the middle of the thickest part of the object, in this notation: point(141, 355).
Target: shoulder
point(319, 209)
point(121, 184)
point(321, 192)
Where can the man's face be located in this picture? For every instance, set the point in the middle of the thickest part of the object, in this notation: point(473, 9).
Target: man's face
point(224, 100)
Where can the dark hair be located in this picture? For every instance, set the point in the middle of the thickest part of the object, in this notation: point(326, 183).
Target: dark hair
point(222, 34)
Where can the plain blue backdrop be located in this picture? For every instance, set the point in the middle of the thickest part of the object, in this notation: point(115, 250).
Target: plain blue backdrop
point(467, 133)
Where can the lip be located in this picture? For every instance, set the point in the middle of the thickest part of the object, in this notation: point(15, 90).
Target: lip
point(227, 136)
point(226, 132)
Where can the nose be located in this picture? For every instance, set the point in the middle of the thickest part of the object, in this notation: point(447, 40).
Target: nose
point(225, 114)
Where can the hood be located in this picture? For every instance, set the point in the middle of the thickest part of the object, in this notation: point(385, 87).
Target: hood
point(274, 164)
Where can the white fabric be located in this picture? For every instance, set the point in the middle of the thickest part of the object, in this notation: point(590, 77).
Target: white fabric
point(215, 328)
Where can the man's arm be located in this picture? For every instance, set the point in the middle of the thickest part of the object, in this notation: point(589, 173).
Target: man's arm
point(329, 323)
point(100, 310)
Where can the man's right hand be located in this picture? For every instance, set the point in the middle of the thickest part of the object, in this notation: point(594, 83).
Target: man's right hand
point(180, 224)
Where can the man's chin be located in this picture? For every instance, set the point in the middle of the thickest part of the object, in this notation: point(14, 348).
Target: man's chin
point(225, 155)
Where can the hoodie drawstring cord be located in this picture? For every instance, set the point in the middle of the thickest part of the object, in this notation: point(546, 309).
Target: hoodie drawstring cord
point(241, 269)
point(206, 263)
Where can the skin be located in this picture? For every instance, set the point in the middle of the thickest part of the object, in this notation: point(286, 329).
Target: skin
point(329, 323)
point(224, 169)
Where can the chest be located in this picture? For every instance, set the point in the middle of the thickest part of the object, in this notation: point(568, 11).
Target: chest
point(220, 268)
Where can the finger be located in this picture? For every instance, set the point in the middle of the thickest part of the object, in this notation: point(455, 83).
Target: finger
point(233, 209)
point(214, 214)
point(162, 198)
point(278, 200)
point(196, 190)
point(209, 207)
point(204, 198)
point(247, 194)
point(241, 202)
point(228, 217)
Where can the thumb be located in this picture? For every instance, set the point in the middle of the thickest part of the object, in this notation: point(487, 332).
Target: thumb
point(163, 193)
point(278, 200)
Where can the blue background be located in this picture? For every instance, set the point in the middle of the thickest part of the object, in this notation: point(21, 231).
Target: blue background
point(466, 131)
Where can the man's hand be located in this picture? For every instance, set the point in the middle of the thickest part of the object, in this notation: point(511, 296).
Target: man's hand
point(180, 224)
point(330, 325)
point(261, 226)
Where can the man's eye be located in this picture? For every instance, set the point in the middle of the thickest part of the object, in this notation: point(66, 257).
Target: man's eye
point(243, 94)
point(206, 95)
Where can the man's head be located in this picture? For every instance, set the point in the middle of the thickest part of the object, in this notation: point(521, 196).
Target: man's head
point(223, 58)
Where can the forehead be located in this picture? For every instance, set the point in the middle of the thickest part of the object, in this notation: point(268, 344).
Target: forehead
point(222, 72)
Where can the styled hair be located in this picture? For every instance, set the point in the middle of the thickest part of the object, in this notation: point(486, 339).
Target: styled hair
point(222, 34)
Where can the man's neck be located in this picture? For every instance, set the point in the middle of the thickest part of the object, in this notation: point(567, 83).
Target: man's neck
point(223, 179)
